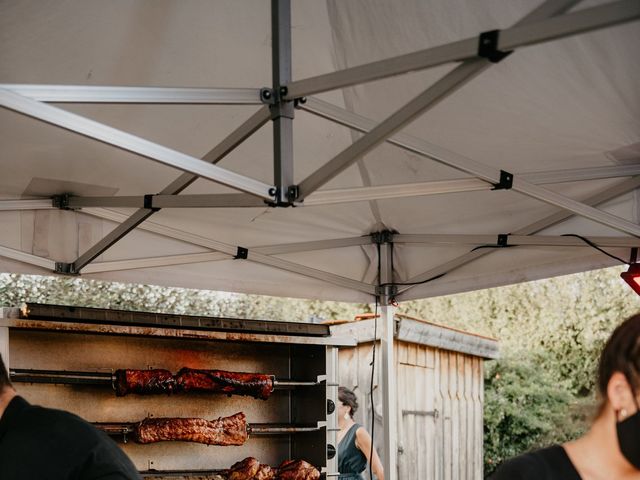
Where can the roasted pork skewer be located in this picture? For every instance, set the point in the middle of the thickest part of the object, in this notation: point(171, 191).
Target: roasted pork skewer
point(146, 382)
point(156, 381)
point(232, 430)
point(223, 431)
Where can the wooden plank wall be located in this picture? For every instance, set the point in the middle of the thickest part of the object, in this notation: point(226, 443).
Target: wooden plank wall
point(440, 401)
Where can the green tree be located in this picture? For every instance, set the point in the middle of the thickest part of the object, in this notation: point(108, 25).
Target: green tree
point(525, 408)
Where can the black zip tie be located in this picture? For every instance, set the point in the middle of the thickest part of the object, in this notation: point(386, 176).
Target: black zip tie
point(503, 240)
point(488, 47)
point(242, 253)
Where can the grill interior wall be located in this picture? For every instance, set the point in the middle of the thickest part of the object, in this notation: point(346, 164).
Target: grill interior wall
point(91, 352)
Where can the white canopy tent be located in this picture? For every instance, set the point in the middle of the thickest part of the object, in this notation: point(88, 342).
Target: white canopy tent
point(402, 138)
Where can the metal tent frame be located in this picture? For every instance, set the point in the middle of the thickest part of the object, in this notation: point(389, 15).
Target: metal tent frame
point(278, 104)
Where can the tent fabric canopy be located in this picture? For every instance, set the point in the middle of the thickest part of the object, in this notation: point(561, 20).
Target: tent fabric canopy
point(562, 116)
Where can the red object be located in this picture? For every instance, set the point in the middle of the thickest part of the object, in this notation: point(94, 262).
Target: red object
point(632, 277)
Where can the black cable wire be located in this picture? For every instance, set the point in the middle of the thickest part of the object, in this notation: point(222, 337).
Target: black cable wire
point(400, 284)
point(491, 246)
point(373, 368)
point(591, 244)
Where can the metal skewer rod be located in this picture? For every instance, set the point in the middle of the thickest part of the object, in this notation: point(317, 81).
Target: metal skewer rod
point(67, 377)
point(128, 428)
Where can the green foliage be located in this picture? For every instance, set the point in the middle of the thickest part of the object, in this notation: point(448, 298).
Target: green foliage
point(525, 408)
point(18, 289)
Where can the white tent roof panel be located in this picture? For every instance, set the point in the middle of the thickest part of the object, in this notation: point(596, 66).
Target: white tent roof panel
point(572, 103)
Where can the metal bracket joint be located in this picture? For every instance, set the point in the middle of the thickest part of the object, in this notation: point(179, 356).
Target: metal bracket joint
point(506, 181)
point(488, 47)
point(385, 236)
point(65, 268)
point(242, 253)
point(148, 203)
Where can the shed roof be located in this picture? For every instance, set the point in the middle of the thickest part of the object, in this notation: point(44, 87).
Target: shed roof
point(422, 332)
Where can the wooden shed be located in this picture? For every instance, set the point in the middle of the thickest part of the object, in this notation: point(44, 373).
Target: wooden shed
point(440, 383)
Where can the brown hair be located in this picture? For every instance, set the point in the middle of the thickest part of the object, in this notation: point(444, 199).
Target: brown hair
point(4, 376)
point(347, 397)
point(621, 354)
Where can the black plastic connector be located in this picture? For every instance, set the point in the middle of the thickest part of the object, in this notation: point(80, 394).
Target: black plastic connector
point(331, 451)
point(506, 181)
point(385, 236)
point(503, 240)
point(242, 253)
point(331, 406)
point(293, 192)
point(488, 47)
point(61, 202)
point(64, 268)
point(148, 203)
point(267, 96)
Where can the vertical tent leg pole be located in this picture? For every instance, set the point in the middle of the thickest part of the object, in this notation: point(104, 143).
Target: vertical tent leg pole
point(388, 369)
point(282, 112)
point(4, 345)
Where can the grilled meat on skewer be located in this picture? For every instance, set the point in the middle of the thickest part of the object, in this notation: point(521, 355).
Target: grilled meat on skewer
point(223, 431)
point(297, 470)
point(237, 383)
point(144, 382)
point(265, 472)
point(187, 379)
point(244, 470)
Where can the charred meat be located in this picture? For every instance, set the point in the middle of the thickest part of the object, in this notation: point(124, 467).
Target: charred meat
point(297, 470)
point(223, 431)
point(232, 383)
point(144, 382)
point(244, 470)
point(265, 472)
point(187, 379)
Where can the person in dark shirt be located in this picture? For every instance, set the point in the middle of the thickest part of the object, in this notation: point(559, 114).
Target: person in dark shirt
point(611, 448)
point(354, 442)
point(46, 444)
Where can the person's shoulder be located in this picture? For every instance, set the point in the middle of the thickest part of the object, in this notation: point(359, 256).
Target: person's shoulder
point(523, 467)
point(360, 430)
point(537, 465)
point(61, 422)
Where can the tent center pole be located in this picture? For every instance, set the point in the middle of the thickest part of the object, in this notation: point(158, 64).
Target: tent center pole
point(387, 365)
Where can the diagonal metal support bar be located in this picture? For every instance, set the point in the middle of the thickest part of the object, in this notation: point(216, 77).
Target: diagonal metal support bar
point(253, 254)
point(132, 143)
point(152, 262)
point(418, 146)
point(265, 249)
point(412, 110)
point(169, 260)
point(416, 107)
point(546, 222)
point(153, 95)
point(234, 139)
point(27, 258)
point(482, 172)
point(537, 30)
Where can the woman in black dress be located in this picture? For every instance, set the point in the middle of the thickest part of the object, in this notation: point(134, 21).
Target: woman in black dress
point(354, 442)
point(611, 448)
